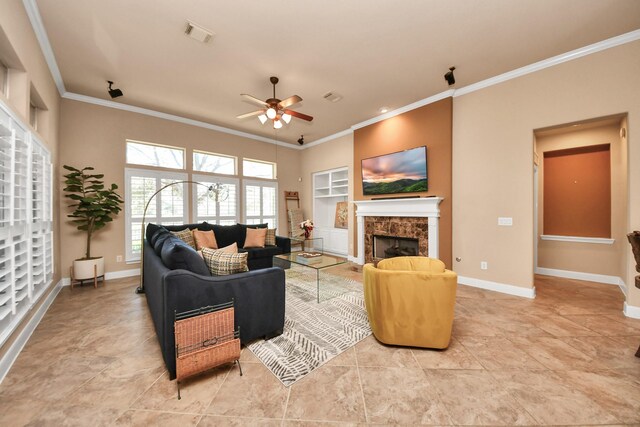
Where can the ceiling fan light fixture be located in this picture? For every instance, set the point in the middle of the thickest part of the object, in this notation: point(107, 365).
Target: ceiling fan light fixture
point(277, 124)
point(262, 118)
point(286, 117)
point(271, 113)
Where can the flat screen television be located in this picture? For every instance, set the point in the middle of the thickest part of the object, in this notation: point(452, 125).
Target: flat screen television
point(401, 172)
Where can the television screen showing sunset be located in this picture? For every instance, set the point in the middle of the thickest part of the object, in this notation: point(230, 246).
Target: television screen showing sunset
point(402, 172)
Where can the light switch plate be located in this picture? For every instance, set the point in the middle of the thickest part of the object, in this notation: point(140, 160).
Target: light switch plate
point(506, 221)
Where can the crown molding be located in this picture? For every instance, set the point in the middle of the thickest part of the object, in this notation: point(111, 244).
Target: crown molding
point(158, 114)
point(328, 138)
point(551, 62)
point(398, 111)
point(41, 34)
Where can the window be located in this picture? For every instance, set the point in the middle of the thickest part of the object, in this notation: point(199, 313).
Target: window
point(222, 211)
point(4, 79)
point(167, 207)
point(26, 237)
point(260, 203)
point(214, 163)
point(33, 116)
point(143, 153)
point(258, 169)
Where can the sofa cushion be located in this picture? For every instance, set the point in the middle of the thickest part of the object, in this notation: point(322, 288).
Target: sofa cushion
point(157, 232)
point(228, 234)
point(176, 254)
point(267, 251)
point(151, 230)
point(205, 239)
point(159, 238)
point(199, 226)
point(186, 236)
point(255, 237)
point(222, 263)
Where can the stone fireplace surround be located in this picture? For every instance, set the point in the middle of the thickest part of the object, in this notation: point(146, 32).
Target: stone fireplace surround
point(409, 216)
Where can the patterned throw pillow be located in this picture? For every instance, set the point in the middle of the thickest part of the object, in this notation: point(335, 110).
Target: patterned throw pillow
point(204, 239)
point(255, 238)
point(221, 263)
point(186, 236)
point(270, 240)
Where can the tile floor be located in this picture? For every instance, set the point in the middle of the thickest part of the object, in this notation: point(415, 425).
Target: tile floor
point(565, 358)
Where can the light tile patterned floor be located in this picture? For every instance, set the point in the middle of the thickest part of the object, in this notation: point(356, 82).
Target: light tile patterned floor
point(565, 358)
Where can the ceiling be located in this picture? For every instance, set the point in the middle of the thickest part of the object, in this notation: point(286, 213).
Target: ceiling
point(372, 52)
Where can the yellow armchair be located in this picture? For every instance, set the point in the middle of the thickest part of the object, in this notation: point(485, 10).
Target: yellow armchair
point(410, 301)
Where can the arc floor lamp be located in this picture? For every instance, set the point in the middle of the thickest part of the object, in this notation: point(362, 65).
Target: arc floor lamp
point(219, 190)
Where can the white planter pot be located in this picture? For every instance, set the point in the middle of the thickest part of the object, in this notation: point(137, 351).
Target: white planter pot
point(84, 268)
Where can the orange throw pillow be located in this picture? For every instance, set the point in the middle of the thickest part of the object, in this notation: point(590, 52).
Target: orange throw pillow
point(232, 248)
point(255, 238)
point(205, 239)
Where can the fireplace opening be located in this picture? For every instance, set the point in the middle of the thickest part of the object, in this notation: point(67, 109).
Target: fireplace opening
point(393, 246)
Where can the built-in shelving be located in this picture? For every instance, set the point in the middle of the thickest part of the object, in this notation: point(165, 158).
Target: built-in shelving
point(329, 188)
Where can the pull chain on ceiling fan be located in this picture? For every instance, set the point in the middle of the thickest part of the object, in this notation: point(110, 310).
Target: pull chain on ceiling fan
point(275, 109)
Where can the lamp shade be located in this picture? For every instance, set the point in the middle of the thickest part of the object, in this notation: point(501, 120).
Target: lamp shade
point(286, 117)
point(277, 124)
point(262, 118)
point(271, 113)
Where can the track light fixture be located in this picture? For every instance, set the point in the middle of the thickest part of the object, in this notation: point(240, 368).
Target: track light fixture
point(449, 77)
point(114, 92)
point(301, 140)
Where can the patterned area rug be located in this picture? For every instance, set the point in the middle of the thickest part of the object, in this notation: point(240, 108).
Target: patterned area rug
point(314, 333)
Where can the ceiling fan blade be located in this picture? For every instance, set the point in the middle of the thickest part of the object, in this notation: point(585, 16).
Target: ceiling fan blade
point(299, 115)
point(254, 100)
point(251, 114)
point(289, 101)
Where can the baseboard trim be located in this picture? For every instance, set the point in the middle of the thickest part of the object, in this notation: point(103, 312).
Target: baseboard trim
point(631, 311)
point(66, 281)
point(353, 259)
point(14, 350)
point(498, 287)
point(589, 277)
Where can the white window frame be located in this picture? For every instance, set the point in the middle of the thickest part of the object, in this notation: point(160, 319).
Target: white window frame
point(27, 262)
point(273, 168)
point(212, 179)
point(261, 184)
point(208, 153)
point(182, 149)
point(158, 175)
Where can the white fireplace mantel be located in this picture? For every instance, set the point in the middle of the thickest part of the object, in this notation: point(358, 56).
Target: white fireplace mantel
point(424, 207)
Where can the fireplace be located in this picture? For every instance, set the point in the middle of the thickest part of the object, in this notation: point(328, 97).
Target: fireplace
point(401, 218)
point(393, 246)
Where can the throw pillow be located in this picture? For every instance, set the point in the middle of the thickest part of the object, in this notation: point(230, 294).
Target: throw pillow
point(221, 263)
point(270, 240)
point(255, 238)
point(231, 249)
point(204, 239)
point(186, 236)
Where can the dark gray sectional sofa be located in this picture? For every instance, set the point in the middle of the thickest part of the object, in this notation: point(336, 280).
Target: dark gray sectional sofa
point(176, 280)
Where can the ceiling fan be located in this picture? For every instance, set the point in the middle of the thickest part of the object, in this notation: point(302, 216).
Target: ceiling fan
point(275, 109)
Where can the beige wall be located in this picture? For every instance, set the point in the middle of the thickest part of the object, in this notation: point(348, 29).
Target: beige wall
point(95, 136)
point(588, 257)
point(330, 155)
point(19, 48)
point(493, 156)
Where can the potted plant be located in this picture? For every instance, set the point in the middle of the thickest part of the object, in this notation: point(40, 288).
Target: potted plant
point(93, 207)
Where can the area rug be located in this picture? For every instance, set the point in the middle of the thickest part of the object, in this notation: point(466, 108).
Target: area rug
point(314, 333)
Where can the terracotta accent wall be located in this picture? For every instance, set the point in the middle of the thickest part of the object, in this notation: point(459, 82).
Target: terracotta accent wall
point(431, 126)
point(394, 226)
point(577, 192)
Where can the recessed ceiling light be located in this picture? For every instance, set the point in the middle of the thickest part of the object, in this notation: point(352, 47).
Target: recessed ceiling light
point(383, 110)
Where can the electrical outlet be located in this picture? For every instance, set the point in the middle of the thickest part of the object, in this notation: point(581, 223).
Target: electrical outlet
point(119, 258)
point(505, 221)
point(483, 265)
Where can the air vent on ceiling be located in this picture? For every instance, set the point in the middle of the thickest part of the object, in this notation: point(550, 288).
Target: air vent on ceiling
point(332, 96)
point(197, 32)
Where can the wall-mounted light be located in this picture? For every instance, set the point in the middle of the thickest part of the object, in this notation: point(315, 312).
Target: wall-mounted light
point(114, 92)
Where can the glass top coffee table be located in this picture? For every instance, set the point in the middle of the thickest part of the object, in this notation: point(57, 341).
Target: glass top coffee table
point(316, 263)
